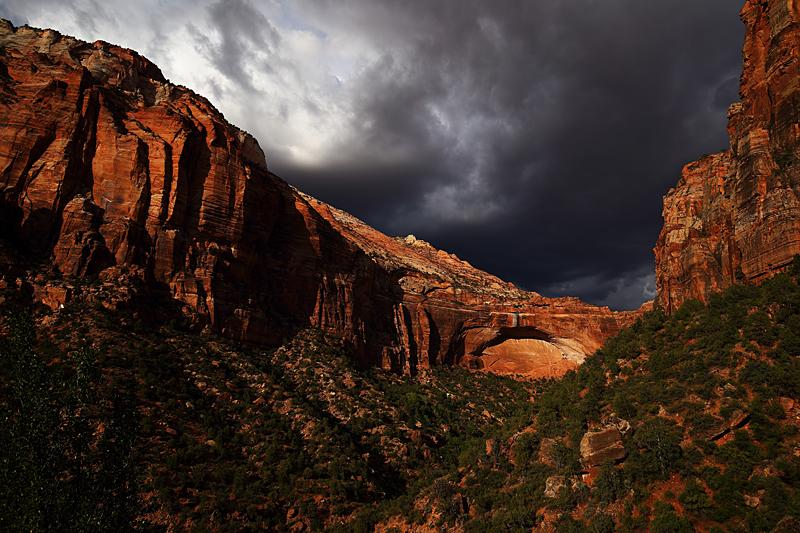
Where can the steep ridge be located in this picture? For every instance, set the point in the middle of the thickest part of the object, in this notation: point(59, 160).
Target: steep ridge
point(735, 216)
point(108, 169)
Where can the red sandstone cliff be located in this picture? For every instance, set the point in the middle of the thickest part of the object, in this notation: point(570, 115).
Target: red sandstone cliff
point(735, 217)
point(104, 164)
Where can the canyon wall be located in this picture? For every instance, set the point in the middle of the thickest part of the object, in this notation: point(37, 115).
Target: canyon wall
point(734, 217)
point(108, 169)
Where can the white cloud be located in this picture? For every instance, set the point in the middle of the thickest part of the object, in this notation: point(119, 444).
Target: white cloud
point(314, 81)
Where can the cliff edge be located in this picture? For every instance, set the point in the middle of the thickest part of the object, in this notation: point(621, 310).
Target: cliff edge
point(734, 217)
point(108, 169)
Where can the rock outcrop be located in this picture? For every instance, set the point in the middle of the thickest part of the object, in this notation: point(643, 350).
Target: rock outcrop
point(602, 445)
point(108, 169)
point(555, 484)
point(721, 427)
point(734, 217)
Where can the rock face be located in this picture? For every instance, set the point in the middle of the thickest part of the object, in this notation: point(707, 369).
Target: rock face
point(554, 484)
point(108, 169)
point(720, 428)
point(735, 217)
point(599, 446)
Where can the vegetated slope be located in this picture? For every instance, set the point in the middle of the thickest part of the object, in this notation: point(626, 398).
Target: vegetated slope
point(106, 164)
point(233, 438)
point(711, 395)
point(699, 410)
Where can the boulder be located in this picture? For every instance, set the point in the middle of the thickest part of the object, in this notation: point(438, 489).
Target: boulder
point(752, 500)
point(720, 428)
point(623, 426)
point(554, 484)
point(738, 419)
point(546, 448)
point(599, 446)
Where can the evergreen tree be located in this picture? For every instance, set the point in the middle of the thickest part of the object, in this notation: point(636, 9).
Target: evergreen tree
point(66, 459)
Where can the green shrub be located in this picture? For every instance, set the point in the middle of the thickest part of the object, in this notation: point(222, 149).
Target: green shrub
point(695, 499)
point(666, 520)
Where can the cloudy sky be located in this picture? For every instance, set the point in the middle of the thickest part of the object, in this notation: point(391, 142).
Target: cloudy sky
point(532, 138)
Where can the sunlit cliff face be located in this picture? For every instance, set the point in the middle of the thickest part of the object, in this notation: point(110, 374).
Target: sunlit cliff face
point(734, 217)
point(534, 139)
point(113, 171)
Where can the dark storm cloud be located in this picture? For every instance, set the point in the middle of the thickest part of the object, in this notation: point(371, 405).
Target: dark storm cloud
point(540, 136)
point(533, 138)
point(247, 41)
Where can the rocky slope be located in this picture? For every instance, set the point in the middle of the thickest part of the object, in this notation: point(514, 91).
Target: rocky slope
point(680, 423)
point(735, 216)
point(108, 169)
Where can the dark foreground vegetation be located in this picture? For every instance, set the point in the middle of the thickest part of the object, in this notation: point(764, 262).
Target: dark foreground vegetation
point(114, 423)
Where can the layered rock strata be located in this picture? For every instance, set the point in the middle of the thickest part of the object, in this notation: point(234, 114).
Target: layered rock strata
point(108, 169)
point(602, 445)
point(734, 217)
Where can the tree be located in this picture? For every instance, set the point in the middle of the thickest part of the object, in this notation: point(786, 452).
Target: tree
point(666, 520)
point(695, 499)
point(58, 470)
point(661, 439)
point(610, 483)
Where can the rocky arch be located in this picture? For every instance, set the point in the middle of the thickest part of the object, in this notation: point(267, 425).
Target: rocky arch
point(526, 350)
